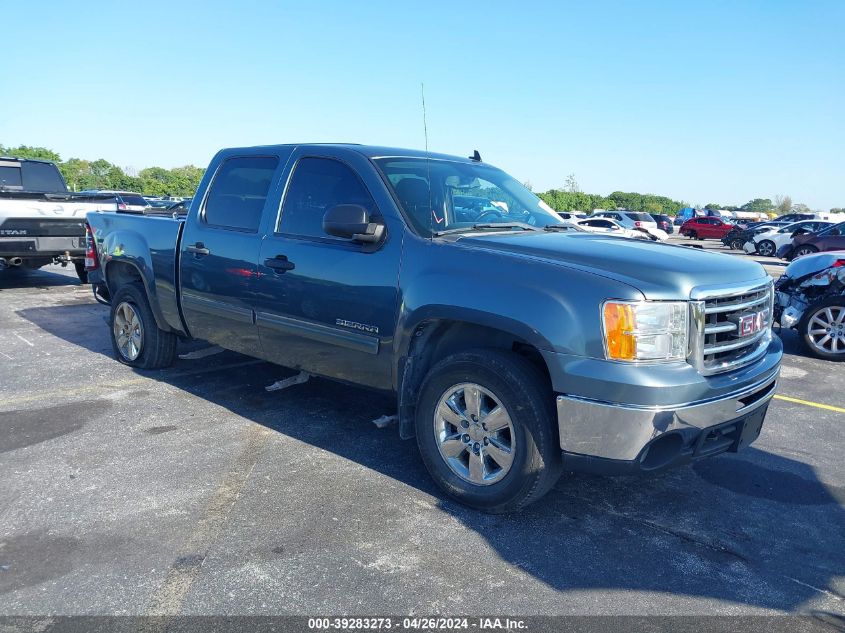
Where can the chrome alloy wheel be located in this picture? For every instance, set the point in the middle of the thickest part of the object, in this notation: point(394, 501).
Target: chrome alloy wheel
point(474, 434)
point(826, 330)
point(128, 331)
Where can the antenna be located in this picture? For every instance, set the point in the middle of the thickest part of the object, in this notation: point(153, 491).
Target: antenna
point(427, 165)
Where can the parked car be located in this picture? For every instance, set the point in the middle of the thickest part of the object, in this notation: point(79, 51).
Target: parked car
point(768, 242)
point(41, 222)
point(628, 219)
point(796, 217)
point(810, 298)
point(664, 222)
point(737, 237)
point(701, 228)
point(568, 215)
point(127, 201)
point(515, 351)
point(830, 239)
point(608, 226)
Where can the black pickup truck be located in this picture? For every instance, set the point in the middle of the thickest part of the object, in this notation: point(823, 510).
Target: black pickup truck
point(516, 348)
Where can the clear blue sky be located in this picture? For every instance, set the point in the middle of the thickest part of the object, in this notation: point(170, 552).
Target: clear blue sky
point(708, 101)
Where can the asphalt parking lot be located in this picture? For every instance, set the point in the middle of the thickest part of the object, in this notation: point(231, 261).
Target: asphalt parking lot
point(192, 490)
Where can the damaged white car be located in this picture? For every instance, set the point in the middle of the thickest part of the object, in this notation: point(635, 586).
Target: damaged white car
point(810, 298)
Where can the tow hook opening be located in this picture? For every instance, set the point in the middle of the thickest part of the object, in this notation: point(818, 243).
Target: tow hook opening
point(662, 451)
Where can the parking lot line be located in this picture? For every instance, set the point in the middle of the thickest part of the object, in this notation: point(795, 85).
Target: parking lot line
point(809, 403)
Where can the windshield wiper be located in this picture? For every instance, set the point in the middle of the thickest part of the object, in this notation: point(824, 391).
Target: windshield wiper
point(489, 225)
point(559, 228)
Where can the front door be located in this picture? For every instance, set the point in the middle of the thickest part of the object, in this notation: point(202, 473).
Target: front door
point(328, 305)
point(219, 254)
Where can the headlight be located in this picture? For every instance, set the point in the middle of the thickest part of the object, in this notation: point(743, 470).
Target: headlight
point(645, 330)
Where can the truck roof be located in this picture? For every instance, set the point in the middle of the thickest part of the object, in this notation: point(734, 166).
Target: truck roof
point(370, 151)
point(27, 160)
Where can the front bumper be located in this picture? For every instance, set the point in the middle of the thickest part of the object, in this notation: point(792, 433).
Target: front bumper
point(610, 438)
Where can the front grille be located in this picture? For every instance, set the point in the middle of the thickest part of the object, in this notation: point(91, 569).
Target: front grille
point(732, 328)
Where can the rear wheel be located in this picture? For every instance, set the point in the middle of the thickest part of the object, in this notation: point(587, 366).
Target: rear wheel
point(823, 329)
point(766, 248)
point(737, 244)
point(485, 430)
point(136, 338)
point(804, 250)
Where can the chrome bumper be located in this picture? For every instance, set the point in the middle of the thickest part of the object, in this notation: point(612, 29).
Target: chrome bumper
point(621, 432)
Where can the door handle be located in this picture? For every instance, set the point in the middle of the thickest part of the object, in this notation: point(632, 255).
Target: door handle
point(279, 264)
point(198, 249)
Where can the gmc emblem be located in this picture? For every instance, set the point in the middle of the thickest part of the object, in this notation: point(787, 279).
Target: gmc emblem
point(751, 323)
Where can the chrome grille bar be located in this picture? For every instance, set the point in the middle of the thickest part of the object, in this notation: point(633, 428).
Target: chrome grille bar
point(715, 316)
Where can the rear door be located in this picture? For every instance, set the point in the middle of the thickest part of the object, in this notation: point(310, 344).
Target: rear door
point(329, 305)
point(219, 253)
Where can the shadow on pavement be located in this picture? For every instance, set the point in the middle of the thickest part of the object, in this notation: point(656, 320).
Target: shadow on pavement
point(48, 277)
point(756, 528)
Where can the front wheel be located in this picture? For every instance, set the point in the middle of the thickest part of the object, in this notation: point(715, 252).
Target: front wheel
point(485, 429)
point(823, 329)
point(766, 248)
point(692, 235)
point(136, 338)
point(804, 250)
point(737, 244)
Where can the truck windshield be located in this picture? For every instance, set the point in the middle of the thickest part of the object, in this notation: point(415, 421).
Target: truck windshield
point(441, 195)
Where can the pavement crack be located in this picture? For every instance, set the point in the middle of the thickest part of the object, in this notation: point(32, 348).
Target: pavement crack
point(167, 600)
point(684, 536)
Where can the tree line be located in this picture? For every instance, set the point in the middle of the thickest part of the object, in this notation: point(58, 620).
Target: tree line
point(81, 174)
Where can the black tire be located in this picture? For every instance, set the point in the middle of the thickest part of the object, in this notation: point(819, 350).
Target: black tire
point(692, 235)
point(804, 329)
point(527, 397)
point(81, 272)
point(737, 244)
point(766, 248)
point(157, 348)
point(804, 250)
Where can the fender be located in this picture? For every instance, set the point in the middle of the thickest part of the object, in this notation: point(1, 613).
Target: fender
point(131, 248)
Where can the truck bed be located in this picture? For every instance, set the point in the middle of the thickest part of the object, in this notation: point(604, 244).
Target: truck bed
point(150, 243)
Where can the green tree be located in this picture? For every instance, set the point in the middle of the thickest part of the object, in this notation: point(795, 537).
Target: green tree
point(758, 204)
point(25, 151)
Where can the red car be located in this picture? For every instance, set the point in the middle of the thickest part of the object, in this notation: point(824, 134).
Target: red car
point(706, 227)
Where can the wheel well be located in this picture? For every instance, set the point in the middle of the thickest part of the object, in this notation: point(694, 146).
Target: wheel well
point(435, 340)
point(119, 274)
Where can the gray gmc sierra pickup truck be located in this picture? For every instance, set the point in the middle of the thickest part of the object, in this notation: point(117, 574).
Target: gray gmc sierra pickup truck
point(516, 348)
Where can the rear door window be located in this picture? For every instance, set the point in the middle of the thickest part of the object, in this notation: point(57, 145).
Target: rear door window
point(238, 192)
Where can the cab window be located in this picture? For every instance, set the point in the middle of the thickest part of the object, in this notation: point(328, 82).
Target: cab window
point(317, 185)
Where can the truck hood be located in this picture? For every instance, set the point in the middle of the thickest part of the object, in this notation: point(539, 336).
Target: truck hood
point(658, 271)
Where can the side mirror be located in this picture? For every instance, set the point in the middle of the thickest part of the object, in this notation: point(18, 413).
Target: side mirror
point(352, 222)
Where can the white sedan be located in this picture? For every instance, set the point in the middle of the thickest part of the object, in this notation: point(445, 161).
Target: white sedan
point(768, 243)
point(610, 227)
